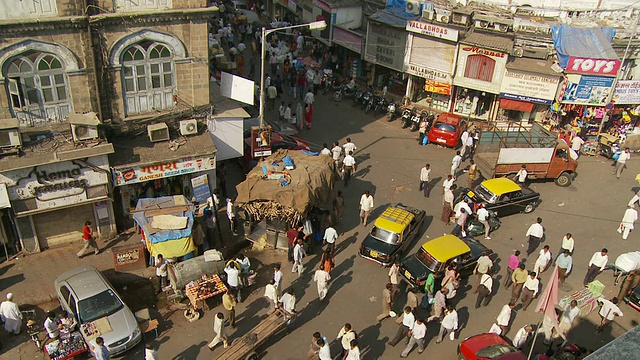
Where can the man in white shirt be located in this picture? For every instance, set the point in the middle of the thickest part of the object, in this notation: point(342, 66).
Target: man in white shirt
point(325, 150)
point(406, 321)
point(468, 148)
point(543, 260)
point(484, 289)
point(576, 144)
point(354, 351)
point(628, 220)
point(345, 335)
point(447, 183)
point(449, 323)
point(535, 233)
point(322, 278)
point(348, 166)
point(52, 326)
point(233, 278)
point(447, 205)
point(366, 206)
point(568, 318)
point(483, 266)
point(308, 98)
point(596, 265)
point(529, 290)
point(568, 243)
point(417, 334)
point(298, 255)
point(424, 180)
point(634, 199)
point(330, 237)
point(455, 163)
point(271, 295)
point(277, 279)
point(324, 353)
point(522, 336)
point(349, 146)
point(336, 153)
point(483, 218)
point(161, 272)
point(504, 317)
point(288, 306)
point(231, 214)
point(608, 312)
point(621, 164)
point(463, 142)
point(521, 175)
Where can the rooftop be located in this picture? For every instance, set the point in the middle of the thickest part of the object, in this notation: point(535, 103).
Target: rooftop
point(137, 149)
point(488, 41)
point(532, 66)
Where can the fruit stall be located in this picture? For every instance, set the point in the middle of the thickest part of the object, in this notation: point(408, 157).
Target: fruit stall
point(203, 289)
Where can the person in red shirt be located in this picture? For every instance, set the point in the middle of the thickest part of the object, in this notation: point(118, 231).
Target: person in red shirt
point(292, 235)
point(89, 240)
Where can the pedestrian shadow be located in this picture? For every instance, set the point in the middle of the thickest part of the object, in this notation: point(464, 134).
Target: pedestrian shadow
point(249, 317)
point(344, 244)
point(361, 173)
point(371, 346)
point(463, 318)
point(191, 352)
point(336, 285)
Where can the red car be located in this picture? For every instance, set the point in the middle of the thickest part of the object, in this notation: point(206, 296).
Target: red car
point(488, 346)
point(446, 130)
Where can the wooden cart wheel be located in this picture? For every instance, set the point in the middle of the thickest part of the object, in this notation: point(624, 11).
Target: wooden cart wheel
point(252, 356)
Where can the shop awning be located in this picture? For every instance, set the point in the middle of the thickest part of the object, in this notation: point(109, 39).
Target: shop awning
point(592, 43)
point(508, 104)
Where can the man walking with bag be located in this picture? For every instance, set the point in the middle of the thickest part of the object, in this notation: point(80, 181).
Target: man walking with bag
point(89, 240)
point(449, 324)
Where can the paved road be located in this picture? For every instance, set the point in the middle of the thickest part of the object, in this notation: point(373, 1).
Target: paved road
point(389, 162)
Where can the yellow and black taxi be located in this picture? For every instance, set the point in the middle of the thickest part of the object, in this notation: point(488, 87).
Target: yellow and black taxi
point(391, 234)
point(435, 255)
point(503, 196)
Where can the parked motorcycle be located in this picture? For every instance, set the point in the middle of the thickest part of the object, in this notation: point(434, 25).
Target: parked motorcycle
point(344, 91)
point(364, 100)
point(370, 103)
point(406, 117)
point(357, 97)
point(415, 121)
point(476, 228)
point(391, 111)
point(381, 105)
point(326, 80)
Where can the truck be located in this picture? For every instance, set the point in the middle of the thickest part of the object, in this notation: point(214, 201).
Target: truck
point(503, 151)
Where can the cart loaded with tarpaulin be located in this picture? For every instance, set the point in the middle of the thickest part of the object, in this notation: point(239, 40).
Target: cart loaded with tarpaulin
point(285, 186)
point(166, 224)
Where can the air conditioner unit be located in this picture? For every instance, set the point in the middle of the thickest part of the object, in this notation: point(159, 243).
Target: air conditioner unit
point(84, 126)
point(482, 24)
point(413, 7)
point(427, 14)
point(501, 27)
point(158, 132)
point(518, 51)
point(443, 18)
point(188, 127)
point(458, 18)
point(10, 138)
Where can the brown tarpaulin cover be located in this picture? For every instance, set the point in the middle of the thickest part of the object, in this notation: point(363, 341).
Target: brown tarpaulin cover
point(311, 185)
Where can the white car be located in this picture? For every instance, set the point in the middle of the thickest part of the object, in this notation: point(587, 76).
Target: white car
point(86, 294)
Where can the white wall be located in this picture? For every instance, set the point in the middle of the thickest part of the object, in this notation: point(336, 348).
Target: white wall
point(227, 135)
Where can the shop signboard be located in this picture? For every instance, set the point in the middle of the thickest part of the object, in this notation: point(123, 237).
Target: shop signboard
point(200, 185)
point(163, 169)
point(605, 67)
point(470, 56)
point(586, 89)
point(437, 87)
point(428, 73)
point(627, 92)
point(533, 88)
point(432, 30)
point(347, 39)
point(385, 46)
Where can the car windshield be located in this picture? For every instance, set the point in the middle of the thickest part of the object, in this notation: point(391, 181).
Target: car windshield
point(384, 235)
point(494, 351)
point(485, 194)
point(445, 127)
point(98, 306)
point(429, 261)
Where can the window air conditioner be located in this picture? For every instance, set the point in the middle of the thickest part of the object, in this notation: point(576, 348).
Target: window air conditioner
point(84, 126)
point(413, 7)
point(10, 138)
point(158, 132)
point(188, 127)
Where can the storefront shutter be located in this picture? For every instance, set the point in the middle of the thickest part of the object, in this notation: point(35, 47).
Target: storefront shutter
point(479, 67)
point(432, 54)
point(61, 227)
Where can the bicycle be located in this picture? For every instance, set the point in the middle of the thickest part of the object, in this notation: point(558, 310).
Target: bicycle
point(33, 329)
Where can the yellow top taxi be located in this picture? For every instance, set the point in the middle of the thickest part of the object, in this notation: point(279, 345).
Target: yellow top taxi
point(502, 196)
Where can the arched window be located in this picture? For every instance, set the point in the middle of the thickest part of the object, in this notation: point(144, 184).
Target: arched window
point(148, 80)
point(479, 67)
point(38, 88)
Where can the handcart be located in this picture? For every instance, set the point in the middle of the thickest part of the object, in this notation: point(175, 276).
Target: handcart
point(244, 348)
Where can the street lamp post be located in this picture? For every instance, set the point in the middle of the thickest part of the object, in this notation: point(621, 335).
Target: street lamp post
point(316, 25)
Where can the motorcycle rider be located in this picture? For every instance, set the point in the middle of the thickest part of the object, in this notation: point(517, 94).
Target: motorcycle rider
point(351, 85)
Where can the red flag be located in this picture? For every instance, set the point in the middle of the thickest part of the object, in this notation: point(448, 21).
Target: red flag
point(549, 298)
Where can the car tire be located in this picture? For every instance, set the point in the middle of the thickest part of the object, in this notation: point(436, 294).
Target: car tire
point(529, 208)
point(563, 180)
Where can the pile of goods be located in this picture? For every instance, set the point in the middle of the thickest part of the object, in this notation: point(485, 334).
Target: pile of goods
point(205, 287)
point(273, 211)
point(68, 346)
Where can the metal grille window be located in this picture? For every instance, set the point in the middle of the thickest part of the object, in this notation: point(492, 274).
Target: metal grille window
point(479, 67)
point(38, 88)
point(147, 70)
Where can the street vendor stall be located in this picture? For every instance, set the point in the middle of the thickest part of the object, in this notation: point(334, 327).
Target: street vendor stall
point(67, 346)
point(166, 223)
point(283, 193)
point(586, 298)
point(203, 289)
